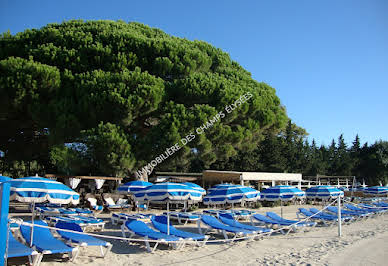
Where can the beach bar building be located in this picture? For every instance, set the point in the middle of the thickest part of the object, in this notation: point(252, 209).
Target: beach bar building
point(210, 177)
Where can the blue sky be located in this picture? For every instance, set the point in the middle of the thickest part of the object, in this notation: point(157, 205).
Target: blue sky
point(328, 60)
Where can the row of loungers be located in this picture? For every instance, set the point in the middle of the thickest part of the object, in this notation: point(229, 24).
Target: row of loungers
point(52, 211)
point(352, 213)
point(123, 217)
point(88, 223)
point(178, 238)
point(45, 243)
point(223, 222)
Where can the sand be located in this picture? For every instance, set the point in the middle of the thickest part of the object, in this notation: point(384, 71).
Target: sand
point(362, 243)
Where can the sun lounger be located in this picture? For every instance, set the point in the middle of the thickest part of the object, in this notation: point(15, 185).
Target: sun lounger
point(356, 209)
point(66, 211)
point(276, 217)
point(90, 221)
point(242, 214)
point(160, 223)
point(120, 204)
point(184, 217)
point(228, 219)
point(82, 211)
point(141, 229)
point(373, 208)
point(381, 205)
point(283, 227)
point(213, 223)
point(217, 212)
point(45, 242)
point(94, 206)
point(80, 239)
point(17, 249)
point(53, 220)
point(345, 218)
point(87, 222)
point(357, 215)
point(44, 211)
point(123, 217)
point(323, 219)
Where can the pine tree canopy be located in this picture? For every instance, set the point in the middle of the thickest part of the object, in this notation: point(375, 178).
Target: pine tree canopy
point(121, 94)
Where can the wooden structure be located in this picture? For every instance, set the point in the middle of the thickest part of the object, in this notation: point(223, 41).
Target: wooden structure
point(211, 177)
point(337, 181)
point(88, 183)
point(177, 177)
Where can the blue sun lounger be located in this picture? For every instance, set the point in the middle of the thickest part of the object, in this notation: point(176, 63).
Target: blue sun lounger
point(228, 219)
point(276, 217)
point(381, 204)
point(359, 210)
point(218, 212)
point(321, 218)
point(45, 242)
point(184, 217)
point(357, 215)
point(242, 214)
point(82, 211)
point(264, 220)
point(141, 229)
point(123, 217)
point(160, 223)
point(81, 239)
point(213, 223)
point(345, 218)
point(17, 249)
point(373, 208)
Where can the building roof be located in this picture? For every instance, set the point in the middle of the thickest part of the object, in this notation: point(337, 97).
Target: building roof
point(84, 177)
point(234, 176)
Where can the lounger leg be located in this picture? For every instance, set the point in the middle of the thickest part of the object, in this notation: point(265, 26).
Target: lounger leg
point(74, 254)
point(124, 231)
point(156, 245)
point(147, 243)
point(225, 234)
point(108, 248)
point(199, 227)
point(204, 241)
point(36, 259)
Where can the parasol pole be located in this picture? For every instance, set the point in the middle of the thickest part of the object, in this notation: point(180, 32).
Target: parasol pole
point(168, 217)
point(339, 215)
point(281, 207)
point(32, 222)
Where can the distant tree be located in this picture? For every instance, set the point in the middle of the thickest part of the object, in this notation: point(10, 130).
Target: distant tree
point(342, 162)
point(355, 156)
point(271, 156)
point(330, 158)
point(374, 164)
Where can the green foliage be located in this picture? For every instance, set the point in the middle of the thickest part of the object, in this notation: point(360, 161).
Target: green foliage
point(282, 153)
point(67, 160)
point(108, 150)
point(127, 92)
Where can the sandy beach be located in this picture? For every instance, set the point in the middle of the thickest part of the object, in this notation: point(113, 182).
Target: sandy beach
point(362, 243)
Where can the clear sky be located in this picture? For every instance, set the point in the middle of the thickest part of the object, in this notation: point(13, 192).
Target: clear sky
point(328, 59)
